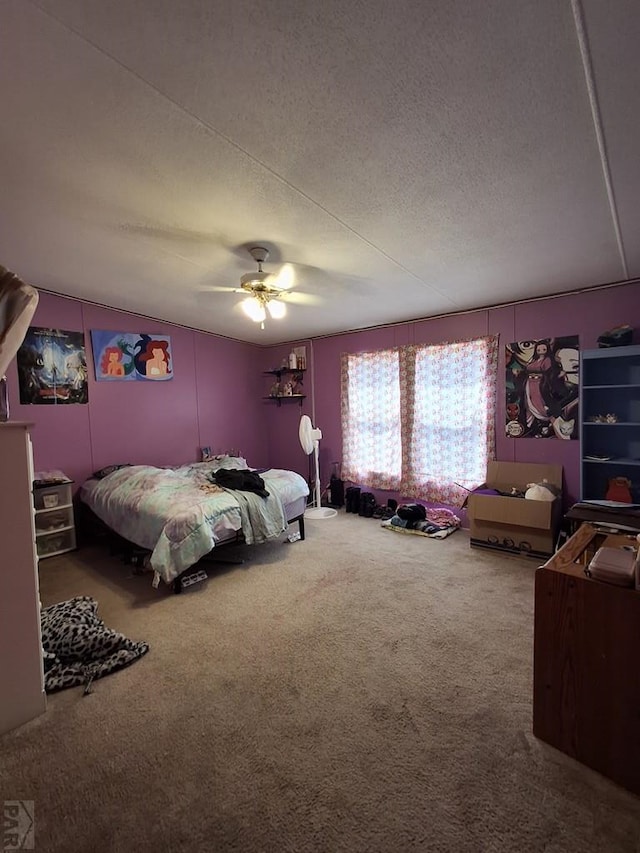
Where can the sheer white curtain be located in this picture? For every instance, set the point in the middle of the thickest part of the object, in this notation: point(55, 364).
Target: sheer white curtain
point(371, 431)
point(420, 419)
point(449, 428)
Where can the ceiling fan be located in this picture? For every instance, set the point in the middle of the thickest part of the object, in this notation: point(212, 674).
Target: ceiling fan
point(265, 289)
point(266, 292)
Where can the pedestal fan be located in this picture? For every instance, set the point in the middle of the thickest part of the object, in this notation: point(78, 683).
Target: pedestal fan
point(310, 441)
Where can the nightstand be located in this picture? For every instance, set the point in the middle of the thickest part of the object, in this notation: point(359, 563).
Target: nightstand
point(54, 520)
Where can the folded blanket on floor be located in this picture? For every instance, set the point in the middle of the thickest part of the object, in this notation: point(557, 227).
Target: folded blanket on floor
point(79, 648)
point(437, 532)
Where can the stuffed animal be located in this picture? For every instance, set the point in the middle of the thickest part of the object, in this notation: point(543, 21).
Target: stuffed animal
point(544, 491)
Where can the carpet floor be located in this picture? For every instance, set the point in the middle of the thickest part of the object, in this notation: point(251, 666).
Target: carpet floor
point(358, 691)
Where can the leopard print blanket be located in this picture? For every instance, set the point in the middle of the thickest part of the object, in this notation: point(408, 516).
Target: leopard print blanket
point(79, 648)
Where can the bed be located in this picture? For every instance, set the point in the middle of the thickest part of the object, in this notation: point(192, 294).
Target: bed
point(179, 515)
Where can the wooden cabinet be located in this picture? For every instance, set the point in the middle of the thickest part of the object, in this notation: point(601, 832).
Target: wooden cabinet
point(21, 671)
point(55, 525)
point(586, 694)
point(609, 385)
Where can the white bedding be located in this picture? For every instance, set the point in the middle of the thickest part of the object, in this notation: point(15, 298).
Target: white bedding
point(178, 514)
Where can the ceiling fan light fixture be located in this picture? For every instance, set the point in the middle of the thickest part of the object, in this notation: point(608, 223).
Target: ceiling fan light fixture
point(276, 309)
point(254, 309)
point(265, 289)
point(255, 279)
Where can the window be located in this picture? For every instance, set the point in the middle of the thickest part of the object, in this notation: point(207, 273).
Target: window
point(371, 441)
point(420, 419)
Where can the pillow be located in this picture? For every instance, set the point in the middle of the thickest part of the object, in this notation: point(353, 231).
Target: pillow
point(109, 469)
point(231, 463)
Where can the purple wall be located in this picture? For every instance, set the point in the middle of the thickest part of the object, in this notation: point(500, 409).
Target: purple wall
point(216, 396)
point(213, 399)
point(586, 314)
point(280, 422)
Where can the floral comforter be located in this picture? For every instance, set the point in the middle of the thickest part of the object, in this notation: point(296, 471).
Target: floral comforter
point(177, 513)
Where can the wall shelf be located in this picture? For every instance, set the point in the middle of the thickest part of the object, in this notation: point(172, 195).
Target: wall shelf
point(286, 376)
point(619, 461)
point(287, 397)
point(278, 371)
point(617, 423)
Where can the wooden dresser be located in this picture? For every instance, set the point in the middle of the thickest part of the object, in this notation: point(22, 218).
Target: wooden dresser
point(586, 694)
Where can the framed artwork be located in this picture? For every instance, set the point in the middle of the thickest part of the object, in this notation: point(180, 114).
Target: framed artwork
point(127, 356)
point(52, 367)
point(542, 386)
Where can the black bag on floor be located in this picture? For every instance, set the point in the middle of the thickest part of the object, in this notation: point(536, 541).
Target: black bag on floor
point(367, 504)
point(412, 512)
point(352, 496)
point(336, 491)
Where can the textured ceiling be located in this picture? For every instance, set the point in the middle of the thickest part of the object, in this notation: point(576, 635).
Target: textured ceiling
point(409, 158)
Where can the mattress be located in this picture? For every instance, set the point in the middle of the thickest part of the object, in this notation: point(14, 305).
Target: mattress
point(179, 515)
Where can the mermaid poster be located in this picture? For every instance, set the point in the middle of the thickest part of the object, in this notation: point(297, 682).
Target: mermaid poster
point(119, 356)
point(543, 388)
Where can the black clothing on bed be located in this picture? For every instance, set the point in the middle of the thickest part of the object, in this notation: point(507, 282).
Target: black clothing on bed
point(241, 480)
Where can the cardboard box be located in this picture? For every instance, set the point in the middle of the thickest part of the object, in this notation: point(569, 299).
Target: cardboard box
point(516, 525)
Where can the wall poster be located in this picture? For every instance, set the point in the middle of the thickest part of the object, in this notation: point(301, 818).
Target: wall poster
point(119, 356)
point(543, 388)
point(52, 367)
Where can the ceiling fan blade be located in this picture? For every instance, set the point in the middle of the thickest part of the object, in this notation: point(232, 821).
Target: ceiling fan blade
point(333, 283)
point(183, 236)
point(212, 288)
point(284, 279)
point(297, 297)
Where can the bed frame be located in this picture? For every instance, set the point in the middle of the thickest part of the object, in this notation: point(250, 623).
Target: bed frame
point(93, 528)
